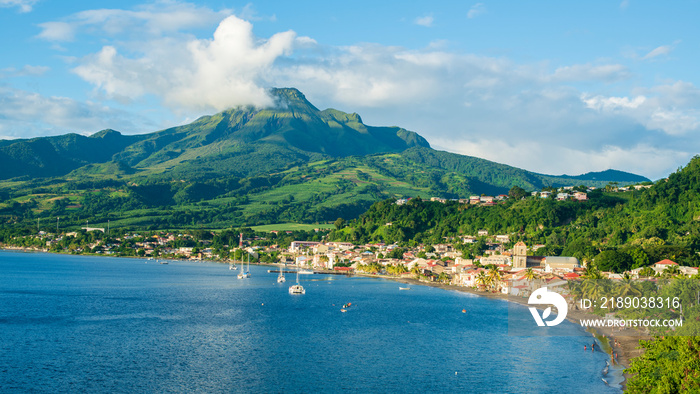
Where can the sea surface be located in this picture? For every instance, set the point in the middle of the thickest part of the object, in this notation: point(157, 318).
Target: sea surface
point(118, 325)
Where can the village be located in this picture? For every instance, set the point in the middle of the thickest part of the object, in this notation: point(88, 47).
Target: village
point(502, 267)
point(510, 270)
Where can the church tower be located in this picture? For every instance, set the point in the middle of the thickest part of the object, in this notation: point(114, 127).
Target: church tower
point(519, 256)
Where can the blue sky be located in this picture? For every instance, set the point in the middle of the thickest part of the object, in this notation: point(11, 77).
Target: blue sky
point(554, 87)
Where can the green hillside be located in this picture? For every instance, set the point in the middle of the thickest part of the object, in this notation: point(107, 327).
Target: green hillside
point(240, 141)
point(243, 166)
point(646, 225)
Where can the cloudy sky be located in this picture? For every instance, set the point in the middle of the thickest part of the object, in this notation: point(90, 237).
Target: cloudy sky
point(550, 86)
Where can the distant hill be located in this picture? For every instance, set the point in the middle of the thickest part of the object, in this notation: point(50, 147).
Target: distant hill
point(55, 156)
point(289, 163)
point(610, 176)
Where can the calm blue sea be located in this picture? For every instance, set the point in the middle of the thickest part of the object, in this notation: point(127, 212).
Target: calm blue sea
point(98, 324)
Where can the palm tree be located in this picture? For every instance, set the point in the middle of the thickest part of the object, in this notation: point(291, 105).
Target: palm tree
point(482, 279)
point(415, 270)
point(443, 277)
point(575, 290)
point(494, 277)
point(374, 267)
point(672, 270)
point(647, 272)
point(593, 289)
point(400, 269)
point(530, 274)
point(592, 272)
point(628, 287)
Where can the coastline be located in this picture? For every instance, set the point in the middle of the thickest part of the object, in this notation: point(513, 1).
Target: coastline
point(626, 347)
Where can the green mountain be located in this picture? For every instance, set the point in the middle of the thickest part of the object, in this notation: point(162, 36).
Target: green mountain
point(609, 176)
point(242, 141)
point(54, 156)
point(290, 163)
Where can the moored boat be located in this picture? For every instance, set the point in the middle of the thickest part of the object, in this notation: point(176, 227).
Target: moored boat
point(297, 288)
point(280, 277)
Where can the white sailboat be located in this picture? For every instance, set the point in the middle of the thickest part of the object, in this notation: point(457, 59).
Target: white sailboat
point(241, 275)
point(297, 288)
point(244, 275)
point(280, 277)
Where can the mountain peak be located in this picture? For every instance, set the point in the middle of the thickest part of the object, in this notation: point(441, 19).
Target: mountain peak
point(106, 133)
point(291, 98)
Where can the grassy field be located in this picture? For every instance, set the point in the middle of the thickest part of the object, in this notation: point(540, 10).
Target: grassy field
point(291, 227)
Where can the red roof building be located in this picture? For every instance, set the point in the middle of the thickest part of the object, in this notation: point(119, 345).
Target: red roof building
point(666, 262)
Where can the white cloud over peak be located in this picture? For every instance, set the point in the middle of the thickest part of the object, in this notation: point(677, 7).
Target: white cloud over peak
point(218, 73)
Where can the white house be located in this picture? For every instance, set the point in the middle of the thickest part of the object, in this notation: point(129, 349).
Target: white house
point(503, 238)
point(662, 265)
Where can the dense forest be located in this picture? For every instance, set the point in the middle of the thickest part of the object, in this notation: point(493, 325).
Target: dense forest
point(621, 230)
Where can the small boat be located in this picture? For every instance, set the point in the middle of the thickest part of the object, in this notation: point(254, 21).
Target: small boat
point(164, 262)
point(343, 310)
point(605, 381)
point(280, 277)
point(464, 311)
point(404, 288)
point(243, 275)
point(231, 267)
point(297, 288)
